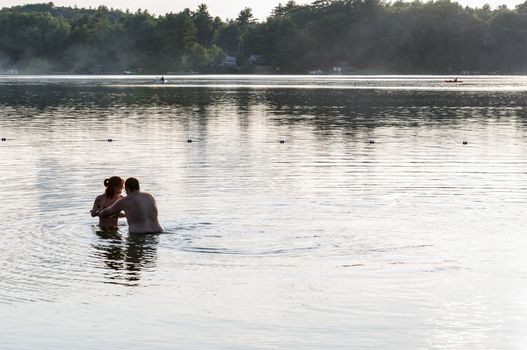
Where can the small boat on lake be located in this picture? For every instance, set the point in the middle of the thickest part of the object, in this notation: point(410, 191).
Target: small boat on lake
point(161, 80)
point(453, 81)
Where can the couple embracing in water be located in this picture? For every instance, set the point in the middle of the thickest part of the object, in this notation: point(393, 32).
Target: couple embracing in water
point(139, 207)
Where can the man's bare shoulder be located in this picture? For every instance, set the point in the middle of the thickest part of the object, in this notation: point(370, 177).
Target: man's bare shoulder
point(149, 196)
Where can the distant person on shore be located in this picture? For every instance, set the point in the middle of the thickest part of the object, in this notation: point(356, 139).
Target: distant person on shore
point(112, 193)
point(139, 207)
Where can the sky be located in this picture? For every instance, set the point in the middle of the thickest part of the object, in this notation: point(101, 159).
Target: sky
point(222, 8)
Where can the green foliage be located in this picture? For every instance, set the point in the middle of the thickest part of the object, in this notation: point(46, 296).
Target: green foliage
point(245, 18)
point(204, 25)
point(228, 37)
point(358, 35)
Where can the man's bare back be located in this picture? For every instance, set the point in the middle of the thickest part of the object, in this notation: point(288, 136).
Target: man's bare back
point(140, 209)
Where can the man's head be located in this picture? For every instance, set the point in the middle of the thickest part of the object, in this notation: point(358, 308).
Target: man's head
point(131, 185)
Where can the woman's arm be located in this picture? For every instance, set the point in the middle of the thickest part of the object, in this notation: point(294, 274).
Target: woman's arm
point(96, 206)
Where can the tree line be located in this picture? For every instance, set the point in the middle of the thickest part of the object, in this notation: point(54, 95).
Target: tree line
point(355, 36)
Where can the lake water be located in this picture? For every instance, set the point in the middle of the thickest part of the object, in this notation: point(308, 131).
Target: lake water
point(370, 226)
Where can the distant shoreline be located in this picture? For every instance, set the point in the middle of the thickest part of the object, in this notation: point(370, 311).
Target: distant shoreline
point(325, 37)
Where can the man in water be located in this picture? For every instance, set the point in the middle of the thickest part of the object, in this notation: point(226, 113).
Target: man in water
point(139, 207)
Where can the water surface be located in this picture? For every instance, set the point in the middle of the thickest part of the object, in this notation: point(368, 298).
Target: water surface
point(339, 212)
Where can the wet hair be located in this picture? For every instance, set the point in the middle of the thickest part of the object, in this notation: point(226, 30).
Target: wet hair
point(132, 184)
point(112, 184)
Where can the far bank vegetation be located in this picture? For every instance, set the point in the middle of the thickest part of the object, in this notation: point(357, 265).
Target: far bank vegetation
point(341, 36)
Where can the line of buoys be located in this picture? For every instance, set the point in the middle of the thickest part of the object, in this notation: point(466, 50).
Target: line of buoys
point(371, 142)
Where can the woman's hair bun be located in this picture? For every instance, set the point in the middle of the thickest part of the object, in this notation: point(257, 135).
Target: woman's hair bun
point(106, 182)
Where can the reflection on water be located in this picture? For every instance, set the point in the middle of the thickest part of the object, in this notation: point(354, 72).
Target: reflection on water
point(307, 212)
point(127, 255)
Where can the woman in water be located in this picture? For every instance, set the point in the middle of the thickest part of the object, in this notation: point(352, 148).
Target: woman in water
point(114, 187)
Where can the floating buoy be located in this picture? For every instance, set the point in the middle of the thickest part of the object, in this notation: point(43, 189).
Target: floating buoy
point(4, 139)
point(372, 142)
point(110, 140)
point(282, 141)
point(465, 142)
point(189, 141)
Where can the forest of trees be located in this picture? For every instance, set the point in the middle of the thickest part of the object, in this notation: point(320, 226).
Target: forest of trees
point(360, 36)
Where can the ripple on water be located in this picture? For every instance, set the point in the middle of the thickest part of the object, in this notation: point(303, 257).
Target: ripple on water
point(248, 252)
point(207, 238)
point(54, 260)
point(48, 261)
